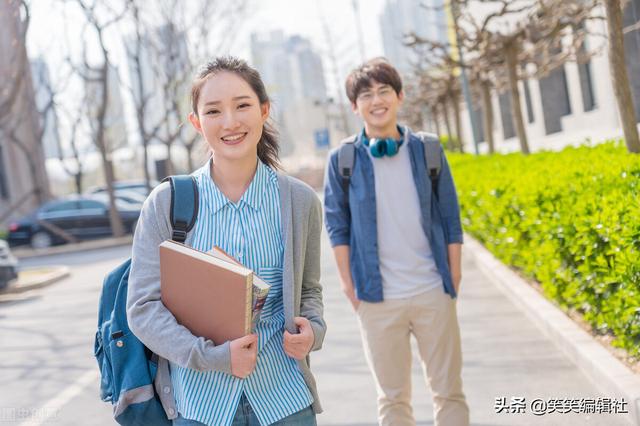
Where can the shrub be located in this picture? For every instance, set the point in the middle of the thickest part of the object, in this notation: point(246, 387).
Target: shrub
point(570, 220)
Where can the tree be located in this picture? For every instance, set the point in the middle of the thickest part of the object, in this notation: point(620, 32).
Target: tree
point(100, 16)
point(176, 40)
point(511, 35)
point(19, 119)
point(619, 75)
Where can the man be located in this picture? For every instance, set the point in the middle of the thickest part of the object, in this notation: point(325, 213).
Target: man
point(398, 248)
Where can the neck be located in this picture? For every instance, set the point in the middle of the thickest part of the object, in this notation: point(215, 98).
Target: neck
point(389, 131)
point(233, 177)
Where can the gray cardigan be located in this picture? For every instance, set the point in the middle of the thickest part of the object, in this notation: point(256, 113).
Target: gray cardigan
point(158, 329)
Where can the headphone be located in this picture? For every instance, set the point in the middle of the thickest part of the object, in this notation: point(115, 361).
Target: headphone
point(381, 147)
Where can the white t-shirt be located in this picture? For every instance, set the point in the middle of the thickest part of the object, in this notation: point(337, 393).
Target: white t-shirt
point(407, 265)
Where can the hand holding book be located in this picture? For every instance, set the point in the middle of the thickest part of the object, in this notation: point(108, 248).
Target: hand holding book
point(244, 353)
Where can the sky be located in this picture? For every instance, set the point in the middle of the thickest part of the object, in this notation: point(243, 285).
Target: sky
point(56, 28)
point(303, 17)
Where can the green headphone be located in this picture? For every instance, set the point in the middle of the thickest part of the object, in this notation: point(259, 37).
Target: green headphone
point(381, 147)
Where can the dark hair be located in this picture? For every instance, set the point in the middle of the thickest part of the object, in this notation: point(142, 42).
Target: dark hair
point(376, 69)
point(268, 147)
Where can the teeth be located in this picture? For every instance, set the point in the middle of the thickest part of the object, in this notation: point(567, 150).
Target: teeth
point(232, 138)
point(378, 111)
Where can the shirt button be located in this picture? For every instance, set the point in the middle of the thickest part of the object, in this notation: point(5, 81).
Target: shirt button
point(239, 256)
point(171, 411)
point(166, 389)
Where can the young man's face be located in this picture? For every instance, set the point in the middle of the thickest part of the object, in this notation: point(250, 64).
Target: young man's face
point(378, 106)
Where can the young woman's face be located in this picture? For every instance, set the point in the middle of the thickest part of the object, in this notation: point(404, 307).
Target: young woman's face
point(230, 116)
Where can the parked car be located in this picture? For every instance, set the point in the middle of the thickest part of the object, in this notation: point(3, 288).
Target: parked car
point(130, 196)
point(83, 217)
point(138, 186)
point(8, 265)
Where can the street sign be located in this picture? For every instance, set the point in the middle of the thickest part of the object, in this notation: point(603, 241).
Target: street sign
point(321, 137)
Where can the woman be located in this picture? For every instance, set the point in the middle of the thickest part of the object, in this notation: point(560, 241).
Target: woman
point(269, 222)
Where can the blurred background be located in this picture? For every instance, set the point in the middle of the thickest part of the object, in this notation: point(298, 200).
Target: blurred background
point(95, 92)
point(536, 101)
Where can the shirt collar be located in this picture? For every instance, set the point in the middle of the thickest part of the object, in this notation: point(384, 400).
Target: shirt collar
point(253, 195)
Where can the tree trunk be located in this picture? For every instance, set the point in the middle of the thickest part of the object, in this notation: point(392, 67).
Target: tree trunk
point(170, 168)
point(447, 122)
point(619, 75)
point(190, 156)
point(511, 52)
point(117, 228)
point(488, 115)
point(435, 116)
point(78, 181)
point(455, 100)
point(147, 175)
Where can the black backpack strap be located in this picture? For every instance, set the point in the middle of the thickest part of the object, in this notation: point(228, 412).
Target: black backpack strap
point(346, 160)
point(184, 205)
point(432, 157)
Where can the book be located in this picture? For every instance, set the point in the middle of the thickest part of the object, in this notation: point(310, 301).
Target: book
point(210, 296)
point(260, 287)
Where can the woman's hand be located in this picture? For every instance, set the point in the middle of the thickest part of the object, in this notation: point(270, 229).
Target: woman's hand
point(298, 345)
point(244, 352)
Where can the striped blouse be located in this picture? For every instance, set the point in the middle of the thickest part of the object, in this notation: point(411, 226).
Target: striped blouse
point(251, 231)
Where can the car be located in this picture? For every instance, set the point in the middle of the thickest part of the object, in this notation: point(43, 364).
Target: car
point(133, 185)
point(130, 196)
point(83, 217)
point(8, 265)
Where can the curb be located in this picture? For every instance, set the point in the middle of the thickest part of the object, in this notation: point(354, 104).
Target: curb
point(26, 253)
point(601, 367)
point(22, 286)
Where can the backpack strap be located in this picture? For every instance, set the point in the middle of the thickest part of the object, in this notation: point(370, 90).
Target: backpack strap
point(432, 157)
point(184, 205)
point(346, 160)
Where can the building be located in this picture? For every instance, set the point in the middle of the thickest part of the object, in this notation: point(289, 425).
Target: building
point(164, 76)
point(427, 19)
point(294, 78)
point(114, 120)
point(575, 102)
point(23, 180)
point(42, 85)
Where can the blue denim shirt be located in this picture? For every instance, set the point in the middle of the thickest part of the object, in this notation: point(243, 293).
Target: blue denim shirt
point(352, 222)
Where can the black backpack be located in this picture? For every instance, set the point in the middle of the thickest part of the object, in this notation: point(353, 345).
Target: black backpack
point(432, 157)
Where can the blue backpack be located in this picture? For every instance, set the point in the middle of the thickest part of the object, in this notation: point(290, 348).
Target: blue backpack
point(127, 367)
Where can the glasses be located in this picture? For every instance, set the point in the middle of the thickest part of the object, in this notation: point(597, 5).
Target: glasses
point(384, 93)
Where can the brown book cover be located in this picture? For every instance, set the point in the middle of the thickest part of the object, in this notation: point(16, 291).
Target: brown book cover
point(209, 296)
point(260, 287)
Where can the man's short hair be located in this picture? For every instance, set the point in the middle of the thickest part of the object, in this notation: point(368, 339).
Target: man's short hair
point(376, 69)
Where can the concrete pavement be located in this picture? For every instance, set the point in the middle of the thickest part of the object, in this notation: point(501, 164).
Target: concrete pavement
point(46, 362)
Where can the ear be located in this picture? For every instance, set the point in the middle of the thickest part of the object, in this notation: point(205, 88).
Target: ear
point(401, 96)
point(265, 109)
point(195, 122)
point(354, 108)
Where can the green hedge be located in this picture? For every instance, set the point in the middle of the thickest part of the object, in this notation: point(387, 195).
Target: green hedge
point(570, 220)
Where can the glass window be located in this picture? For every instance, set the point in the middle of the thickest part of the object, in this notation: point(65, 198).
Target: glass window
point(61, 206)
point(91, 204)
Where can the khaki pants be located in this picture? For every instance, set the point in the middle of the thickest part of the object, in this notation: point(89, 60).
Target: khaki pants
point(386, 327)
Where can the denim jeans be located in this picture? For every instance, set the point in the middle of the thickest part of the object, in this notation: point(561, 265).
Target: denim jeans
point(245, 416)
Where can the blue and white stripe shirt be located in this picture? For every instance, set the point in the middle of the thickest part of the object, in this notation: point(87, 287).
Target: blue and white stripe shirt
point(251, 231)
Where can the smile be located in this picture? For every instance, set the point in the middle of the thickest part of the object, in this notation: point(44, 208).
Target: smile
point(233, 139)
point(378, 111)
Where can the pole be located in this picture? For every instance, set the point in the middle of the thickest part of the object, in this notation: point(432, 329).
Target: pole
point(465, 81)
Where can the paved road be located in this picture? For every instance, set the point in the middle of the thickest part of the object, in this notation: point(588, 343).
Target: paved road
point(49, 375)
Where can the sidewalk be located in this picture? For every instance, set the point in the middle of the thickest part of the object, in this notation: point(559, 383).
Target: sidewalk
point(505, 355)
